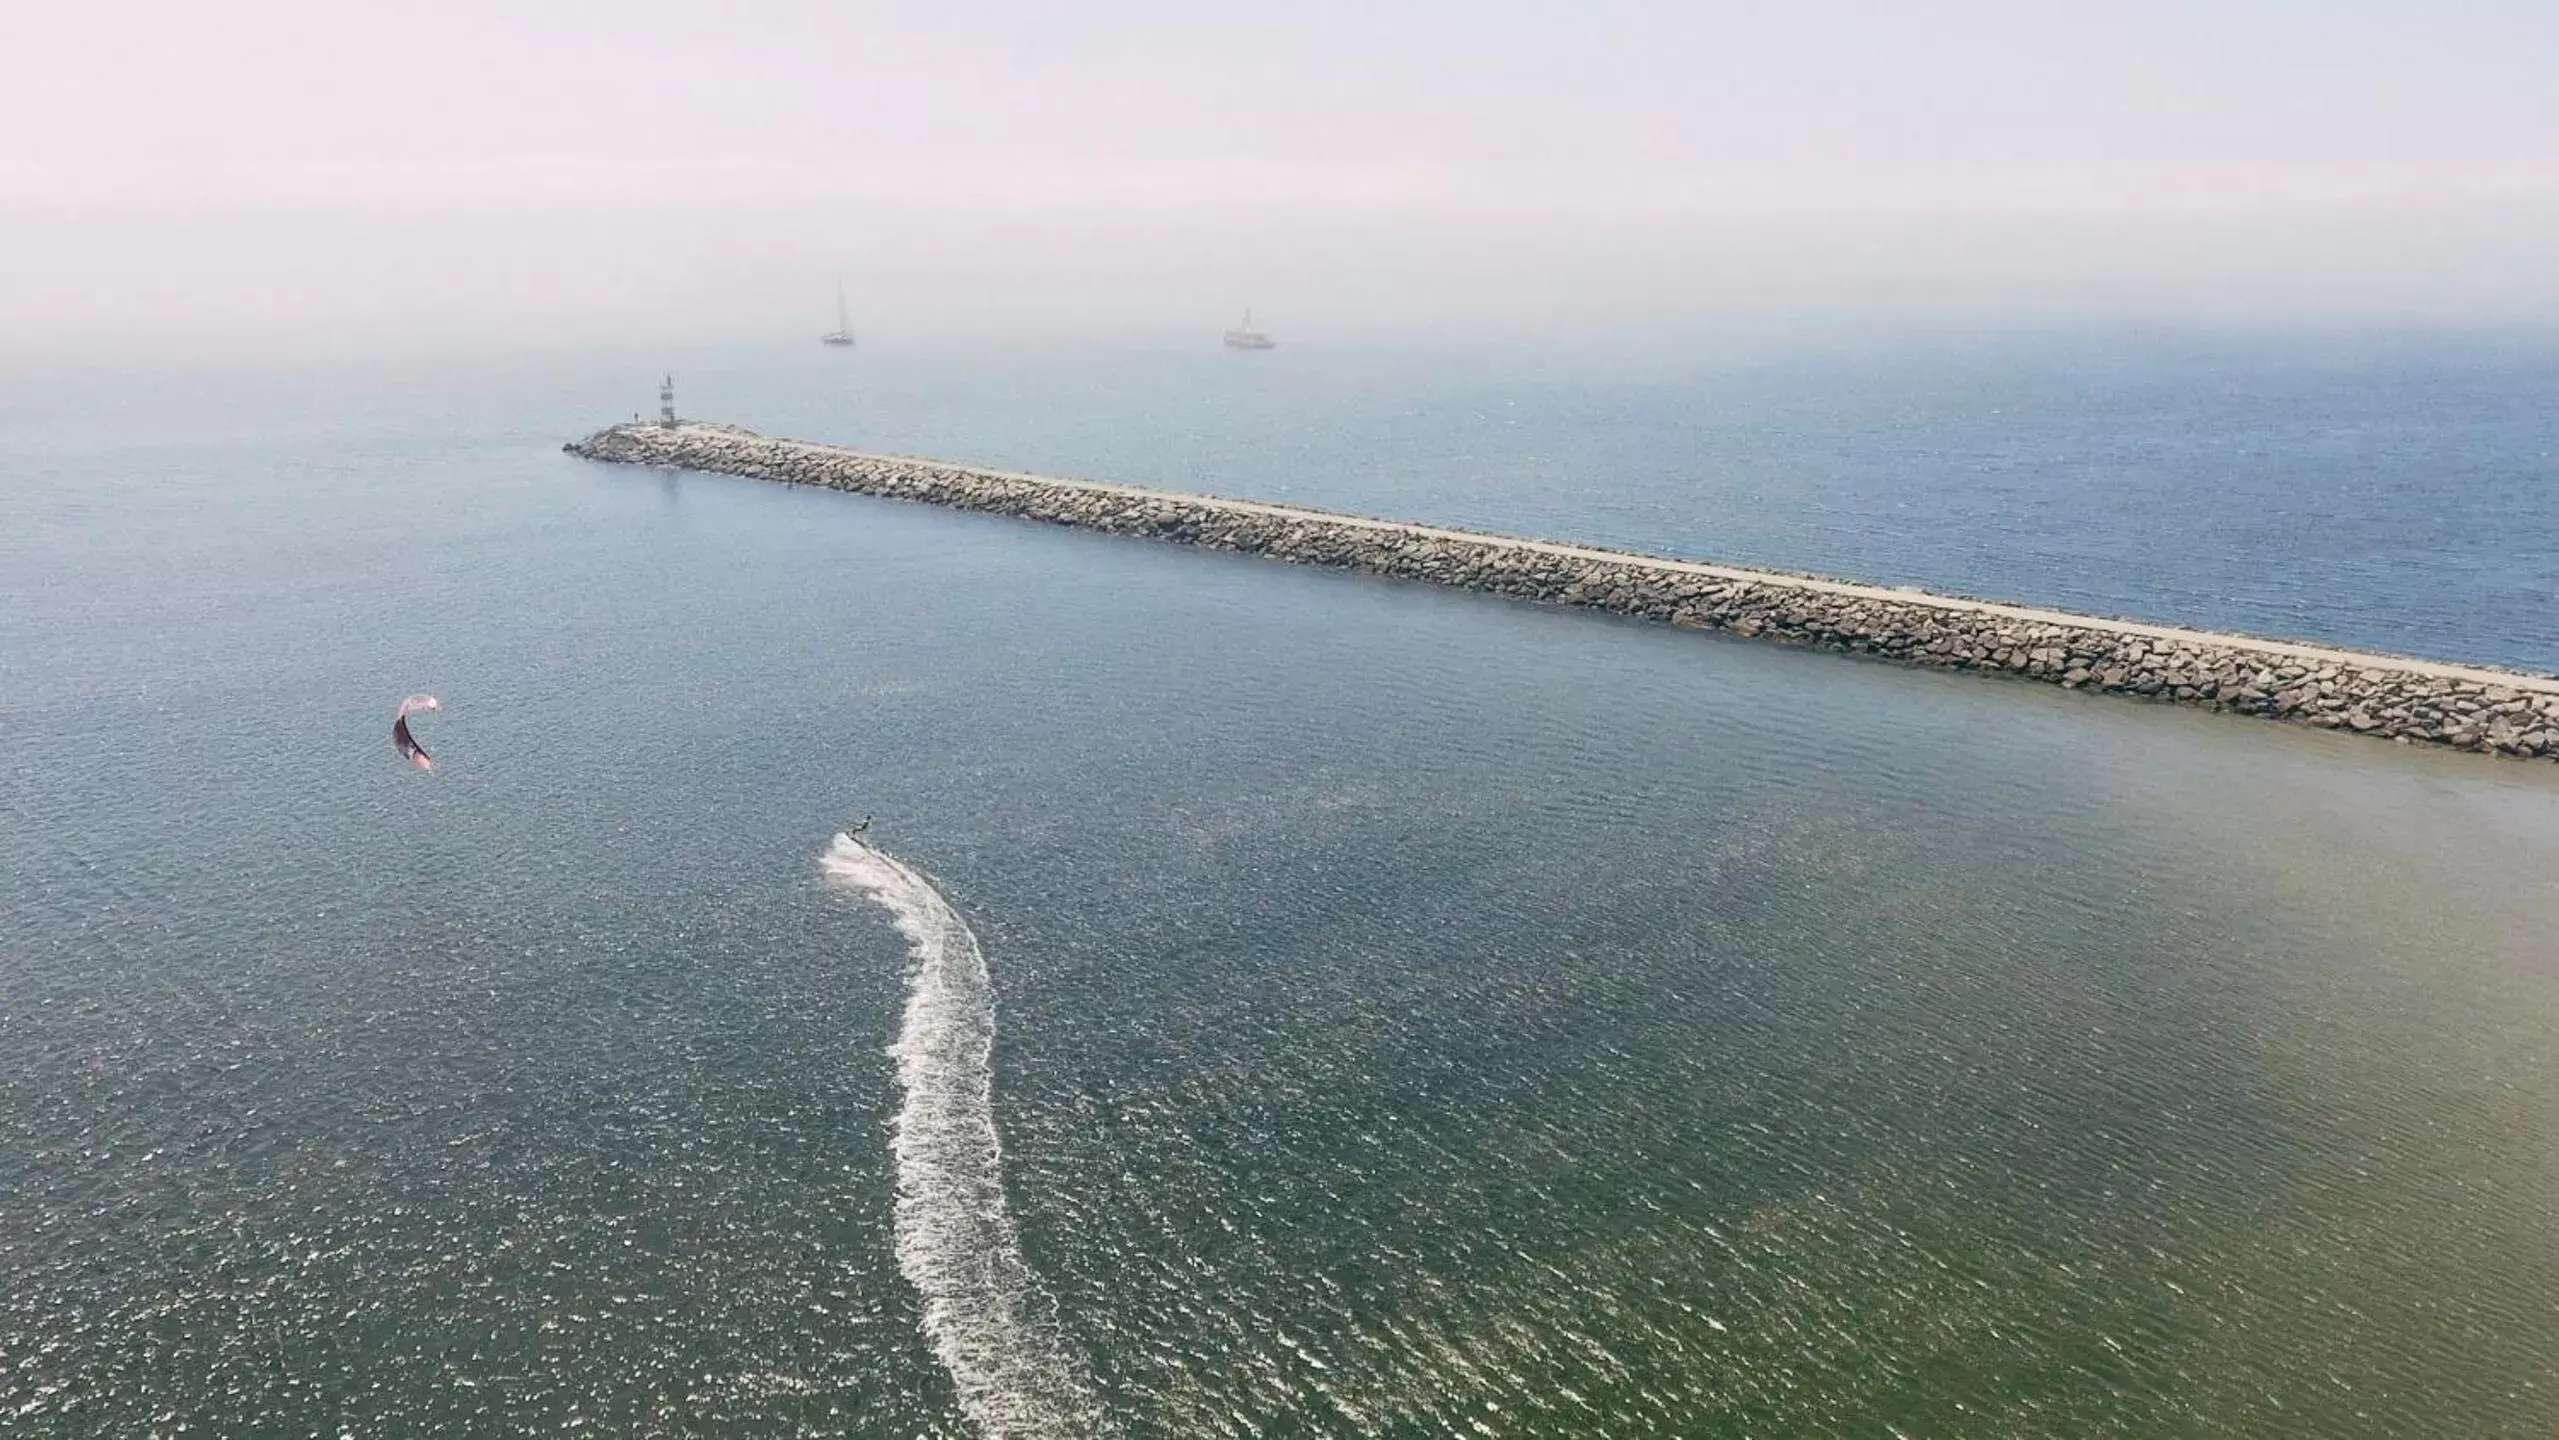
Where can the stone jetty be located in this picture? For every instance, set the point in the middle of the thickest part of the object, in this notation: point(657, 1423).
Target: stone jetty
point(2420, 702)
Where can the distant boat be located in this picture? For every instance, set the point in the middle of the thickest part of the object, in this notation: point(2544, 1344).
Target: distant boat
point(1245, 337)
point(842, 334)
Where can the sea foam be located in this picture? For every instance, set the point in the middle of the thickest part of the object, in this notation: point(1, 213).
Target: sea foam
point(985, 1315)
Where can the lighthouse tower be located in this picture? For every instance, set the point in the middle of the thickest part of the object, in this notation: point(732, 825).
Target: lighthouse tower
point(666, 402)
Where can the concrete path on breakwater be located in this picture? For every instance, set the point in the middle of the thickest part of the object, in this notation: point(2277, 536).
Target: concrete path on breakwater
point(2415, 701)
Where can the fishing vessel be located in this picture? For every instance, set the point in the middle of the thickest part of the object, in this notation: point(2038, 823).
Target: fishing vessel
point(1245, 337)
point(842, 334)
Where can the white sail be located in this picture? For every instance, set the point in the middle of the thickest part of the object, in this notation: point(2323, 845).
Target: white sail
point(842, 334)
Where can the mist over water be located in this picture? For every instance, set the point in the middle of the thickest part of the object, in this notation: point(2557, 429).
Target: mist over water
point(223, 183)
point(1409, 1012)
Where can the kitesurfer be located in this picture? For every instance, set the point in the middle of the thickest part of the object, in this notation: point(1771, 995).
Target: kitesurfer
point(857, 827)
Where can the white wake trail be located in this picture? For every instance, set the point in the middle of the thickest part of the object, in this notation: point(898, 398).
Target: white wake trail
point(989, 1322)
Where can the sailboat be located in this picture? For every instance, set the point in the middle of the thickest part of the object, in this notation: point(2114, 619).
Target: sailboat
point(842, 334)
point(1245, 337)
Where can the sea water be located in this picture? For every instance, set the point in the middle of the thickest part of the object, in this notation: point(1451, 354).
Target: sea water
point(1273, 1002)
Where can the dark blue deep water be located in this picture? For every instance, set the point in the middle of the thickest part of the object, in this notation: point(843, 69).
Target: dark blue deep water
point(1413, 1014)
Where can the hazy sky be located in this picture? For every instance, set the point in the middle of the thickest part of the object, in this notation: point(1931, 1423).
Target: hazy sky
point(318, 174)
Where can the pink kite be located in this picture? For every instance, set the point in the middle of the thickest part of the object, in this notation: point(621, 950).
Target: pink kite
point(406, 743)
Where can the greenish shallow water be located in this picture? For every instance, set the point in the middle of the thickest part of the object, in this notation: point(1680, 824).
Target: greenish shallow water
point(1415, 1014)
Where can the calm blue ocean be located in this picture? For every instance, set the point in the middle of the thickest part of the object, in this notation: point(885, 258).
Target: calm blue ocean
point(1410, 1013)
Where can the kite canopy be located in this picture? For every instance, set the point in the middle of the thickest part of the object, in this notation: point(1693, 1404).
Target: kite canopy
point(406, 743)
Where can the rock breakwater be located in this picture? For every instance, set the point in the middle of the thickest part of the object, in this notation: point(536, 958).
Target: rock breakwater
point(2413, 701)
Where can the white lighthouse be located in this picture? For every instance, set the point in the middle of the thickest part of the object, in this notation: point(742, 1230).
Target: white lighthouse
point(666, 402)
